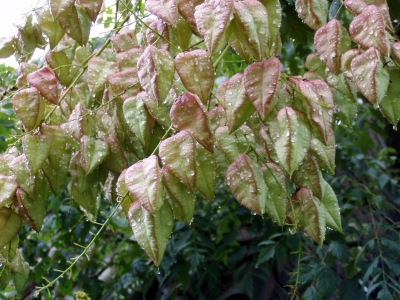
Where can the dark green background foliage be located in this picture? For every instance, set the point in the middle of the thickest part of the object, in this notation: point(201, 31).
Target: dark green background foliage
point(227, 252)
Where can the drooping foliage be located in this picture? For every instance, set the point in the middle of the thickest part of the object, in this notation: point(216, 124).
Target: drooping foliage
point(141, 120)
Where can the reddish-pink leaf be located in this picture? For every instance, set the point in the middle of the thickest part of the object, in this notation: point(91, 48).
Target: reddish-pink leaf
point(331, 41)
point(157, 34)
point(310, 214)
point(195, 68)
point(324, 153)
point(260, 81)
point(238, 106)
point(29, 107)
point(92, 7)
point(396, 51)
point(156, 72)
point(125, 40)
point(128, 59)
point(19, 167)
point(59, 6)
point(345, 62)
point(177, 153)
point(187, 8)
point(371, 78)
point(124, 84)
point(320, 104)
point(187, 113)
point(313, 12)
point(368, 29)
point(76, 23)
point(358, 6)
point(166, 10)
point(81, 122)
point(46, 83)
point(246, 182)
point(144, 181)
point(212, 19)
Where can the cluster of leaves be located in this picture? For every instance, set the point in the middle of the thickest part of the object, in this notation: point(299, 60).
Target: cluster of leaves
point(142, 123)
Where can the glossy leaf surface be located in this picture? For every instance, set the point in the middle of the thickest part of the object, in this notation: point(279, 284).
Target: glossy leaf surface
point(10, 223)
point(166, 10)
point(144, 181)
point(177, 153)
point(151, 231)
point(313, 12)
point(246, 182)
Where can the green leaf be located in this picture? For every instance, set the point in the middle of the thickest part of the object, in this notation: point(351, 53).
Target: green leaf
point(323, 153)
point(31, 209)
point(313, 12)
point(291, 136)
point(60, 64)
point(98, 71)
point(206, 172)
point(94, 152)
point(10, 223)
point(7, 46)
point(144, 180)
point(274, 11)
point(50, 27)
point(195, 68)
point(238, 107)
point(187, 113)
point(86, 199)
point(138, 118)
point(59, 145)
point(275, 205)
point(156, 72)
point(177, 153)
point(36, 150)
point(308, 175)
point(152, 230)
point(268, 146)
point(371, 78)
point(332, 211)
point(232, 144)
point(8, 186)
point(57, 174)
point(29, 107)
point(246, 182)
point(19, 166)
point(158, 110)
point(390, 104)
point(116, 160)
point(250, 30)
point(212, 20)
point(181, 201)
point(166, 10)
point(20, 272)
point(368, 30)
point(260, 81)
point(76, 23)
point(331, 41)
point(310, 215)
